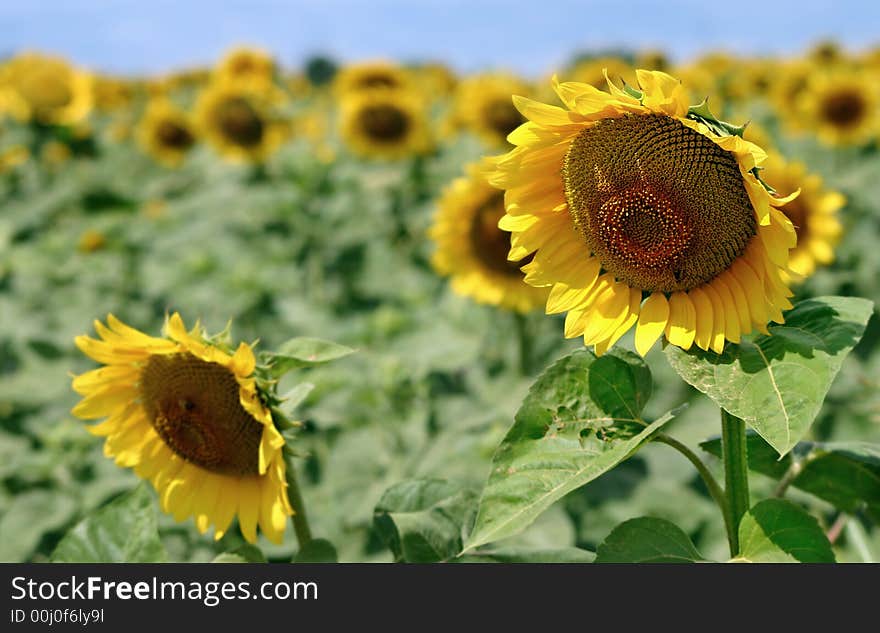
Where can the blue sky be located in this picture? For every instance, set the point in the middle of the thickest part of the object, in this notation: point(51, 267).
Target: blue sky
point(529, 37)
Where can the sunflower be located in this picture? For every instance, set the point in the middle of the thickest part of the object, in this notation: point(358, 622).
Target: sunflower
point(238, 119)
point(371, 76)
point(594, 71)
point(187, 416)
point(112, 93)
point(840, 107)
point(640, 211)
point(166, 132)
point(46, 89)
point(814, 213)
point(472, 250)
point(246, 64)
point(384, 123)
point(483, 106)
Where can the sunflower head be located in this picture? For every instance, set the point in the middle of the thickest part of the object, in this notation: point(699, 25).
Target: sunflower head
point(483, 107)
point(373, 75)
point(841, 107)
point(385, 123)
point(166, 132)
point(112, 93)
point(246, 63)
point(472, 249)
point(187, 414)
point(640, 210)
point(239, 120)
point(46, 89)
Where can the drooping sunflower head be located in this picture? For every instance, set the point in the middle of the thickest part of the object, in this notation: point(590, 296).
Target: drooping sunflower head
point(841, 107)
point(814, 214)
point(238, 119)
point(46, 89)
point(246, 63)
point(166, 132)
point(187, 415)
point(472, 249)
point(385, 123)
point(483, 106)
point(639, 210)
point(372, 75)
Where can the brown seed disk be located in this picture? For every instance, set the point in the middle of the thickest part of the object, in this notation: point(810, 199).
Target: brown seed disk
point(240, 122)
point(194, 407)
point(173, 135)
point(843, 108)
point(663, 207)
point(502, 116)
point(384, 122)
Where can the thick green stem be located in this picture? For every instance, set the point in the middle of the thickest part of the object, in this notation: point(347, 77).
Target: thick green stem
point(736, 475)
point(300, 520)
point(714, 489)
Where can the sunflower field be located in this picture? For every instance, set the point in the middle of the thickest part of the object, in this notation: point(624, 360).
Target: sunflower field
point(378, 311)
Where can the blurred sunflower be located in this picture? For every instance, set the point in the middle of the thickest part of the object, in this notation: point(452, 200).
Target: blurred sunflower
point(239, 121)
point(640, 211)
point(840, 107)
point(112, 93)
point(483, 105)
point(166, 132)
point(187, 416)
point(593, 71)
point(246, 64)
point(472, 250)
point(787, 90)
point(370, 76)
point(384, 123)
point(814, 213)
point(45, 89)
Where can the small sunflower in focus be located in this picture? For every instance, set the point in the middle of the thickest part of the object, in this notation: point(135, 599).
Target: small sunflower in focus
point(46, 89)
point(371, 76)
point(814, 214)
point(639, 211)
point(472, 249)
point(385, 123)
point(187, 414)
point(841, 108)
point(240, 121)
point(166, 132)
point(246, 64)
point(483, 106)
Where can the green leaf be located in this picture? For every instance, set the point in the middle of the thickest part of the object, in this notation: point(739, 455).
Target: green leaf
point(777, 383)
point(28, 517)
point(422, 520)
point(580, 419)
point(246, 553)
point(647, 540)
point(845, 474)
point(317, 550)
point(778, 531)
point(123, 531)
point(305, 352)
point(526, 555)
point(295, 397)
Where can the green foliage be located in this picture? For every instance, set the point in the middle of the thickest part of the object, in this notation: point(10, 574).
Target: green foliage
point(778, 531)
point(647, 540)
point(777, 383)
point(317, 550)
point(243, 554)
point(580, 419)
point(304, 352)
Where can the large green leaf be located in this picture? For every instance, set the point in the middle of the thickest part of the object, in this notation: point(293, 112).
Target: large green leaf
point(422, 520)
point(845, 474)
point(123, 531)
point(778, 531)
point(581, 418)
point(647, 540)
point(317, 550)
point(777, 383)
point(526, 555)
point(305, 352)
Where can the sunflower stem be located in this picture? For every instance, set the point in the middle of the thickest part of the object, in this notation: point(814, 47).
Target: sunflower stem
point(736, 475)
point(525, 343)
point(300, 520)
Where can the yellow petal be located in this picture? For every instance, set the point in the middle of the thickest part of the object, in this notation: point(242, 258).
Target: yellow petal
point(681, 328)
point(652, 321)
point(703, 308)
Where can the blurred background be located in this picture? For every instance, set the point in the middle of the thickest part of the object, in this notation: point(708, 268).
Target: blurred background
point(289, 167)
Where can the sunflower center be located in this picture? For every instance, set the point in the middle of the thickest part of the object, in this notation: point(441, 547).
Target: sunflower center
point(843, 108)
point(175, 136)
point(662, 206)
point(502, 116)
point(194, 406)
point(384, 122)
point(490, 244)
point(240, 122)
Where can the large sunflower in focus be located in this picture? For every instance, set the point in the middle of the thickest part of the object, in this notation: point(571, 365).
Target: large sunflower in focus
point(186, 415)
point(814, 213)
point(385, 123)
point(166, 132)
point(640, 211)
point(238, 119)
point(46, 89)
point(472, 250)
point(840, 107)
point(483, 106)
